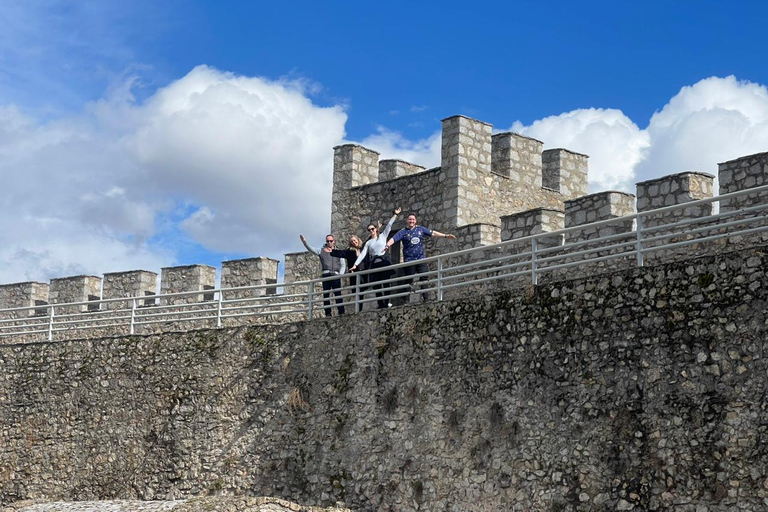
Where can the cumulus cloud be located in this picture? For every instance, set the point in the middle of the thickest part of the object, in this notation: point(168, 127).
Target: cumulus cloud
point(241, 165)
point(235, 164)
point(614, 143)
point(255, 155)
point(392, 145)
point(714, 120)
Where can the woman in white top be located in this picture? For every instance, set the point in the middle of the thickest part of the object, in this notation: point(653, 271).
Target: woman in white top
point(376, 247)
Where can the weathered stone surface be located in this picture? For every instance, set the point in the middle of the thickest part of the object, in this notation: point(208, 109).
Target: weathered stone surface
point(187, 278)
point(643, 389)
point(675, 189)
point(741, 174)
point(566, 172)
point(134, 283)
point(74, 289)
point(23, 295)
point(213, 504)
point(248, 272)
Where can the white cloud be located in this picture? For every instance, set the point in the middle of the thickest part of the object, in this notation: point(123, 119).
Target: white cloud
point(255, 155)
point(242, 165)
point(714, 120)
point(392, 145)
point(613, 142)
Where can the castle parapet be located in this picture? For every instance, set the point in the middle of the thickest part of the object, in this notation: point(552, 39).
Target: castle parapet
point(390, 169)
point(133, 283)
point(565, 171)
point(599, 207)
point(673, 190)
point(23, 295)
point(517, 157)
point(741, 174)
point(534, 222)
point(354, 166)
point(248, 272)
point(477, 235)
point(465, 155)
point(187, 278)
point(75, 289)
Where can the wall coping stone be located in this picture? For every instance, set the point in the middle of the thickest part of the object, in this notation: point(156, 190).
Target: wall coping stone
point(567, 151)
point(743, 158)
point(518, 135)
point(668, 176)
point(355, 146)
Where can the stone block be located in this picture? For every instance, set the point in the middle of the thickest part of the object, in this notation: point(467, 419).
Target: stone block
point(187, 278)
point(391, 169)
point(742, 174)
point(75, 289)
point(566, 172)
point(675, 189)
point(517, 157)
point(534, 222)
point(249, 272)
point(24, 295)
point(354, 166)
point(133, 283)
point(477, 235)
point(465, 160)
point(599, 207)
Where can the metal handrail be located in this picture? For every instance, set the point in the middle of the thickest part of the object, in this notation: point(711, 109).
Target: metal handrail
point(517, 258)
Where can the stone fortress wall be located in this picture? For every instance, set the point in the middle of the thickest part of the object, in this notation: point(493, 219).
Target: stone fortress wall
point(489, 188)
point(643, 389)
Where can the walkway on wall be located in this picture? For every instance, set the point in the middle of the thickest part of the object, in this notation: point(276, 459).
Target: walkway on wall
point(674, 232)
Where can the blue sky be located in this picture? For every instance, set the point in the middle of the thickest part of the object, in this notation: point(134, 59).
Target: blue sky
point(144, 134)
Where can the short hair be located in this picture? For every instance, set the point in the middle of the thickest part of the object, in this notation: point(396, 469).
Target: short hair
point(414, 215)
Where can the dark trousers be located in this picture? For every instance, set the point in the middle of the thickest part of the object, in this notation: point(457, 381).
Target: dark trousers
point(382, 275)
point(417, 268)
point(332, 287)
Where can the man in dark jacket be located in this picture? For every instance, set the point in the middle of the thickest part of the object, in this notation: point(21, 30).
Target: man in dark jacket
point(331, 266)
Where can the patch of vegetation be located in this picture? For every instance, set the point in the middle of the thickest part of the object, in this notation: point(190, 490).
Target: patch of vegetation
point(705, 280)
point(341, 379)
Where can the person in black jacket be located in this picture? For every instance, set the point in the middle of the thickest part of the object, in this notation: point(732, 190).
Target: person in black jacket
point(350, 255)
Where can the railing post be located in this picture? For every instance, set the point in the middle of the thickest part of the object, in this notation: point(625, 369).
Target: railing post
point(357, 293)
point(534, 248)
point(218, 309)
point(133, 315)
point(639, 245)
point(50, 324)
point(310, 292)
point(439, 278)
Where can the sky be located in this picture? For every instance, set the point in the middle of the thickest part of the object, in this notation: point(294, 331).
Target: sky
point(142, 134)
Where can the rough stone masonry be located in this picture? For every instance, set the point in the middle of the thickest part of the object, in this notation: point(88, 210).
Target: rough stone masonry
point(643, 389)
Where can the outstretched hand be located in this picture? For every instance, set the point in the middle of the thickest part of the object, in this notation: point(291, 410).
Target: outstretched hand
point(399, 209)
point(452, 237)
point(303, 240)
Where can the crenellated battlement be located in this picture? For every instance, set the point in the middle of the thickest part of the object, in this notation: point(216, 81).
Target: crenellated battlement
point(489, 188)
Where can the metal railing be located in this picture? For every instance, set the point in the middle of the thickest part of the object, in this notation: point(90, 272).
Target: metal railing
point(622, 242)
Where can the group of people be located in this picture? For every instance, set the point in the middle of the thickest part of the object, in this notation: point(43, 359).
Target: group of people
point(373, 255)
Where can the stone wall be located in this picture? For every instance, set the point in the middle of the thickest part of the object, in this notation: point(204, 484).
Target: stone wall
point(481, 178)
point(645, 389)
point(740, 174)
point(23, 295)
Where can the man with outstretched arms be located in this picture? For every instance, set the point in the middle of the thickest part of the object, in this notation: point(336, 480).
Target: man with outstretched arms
point(413, 247)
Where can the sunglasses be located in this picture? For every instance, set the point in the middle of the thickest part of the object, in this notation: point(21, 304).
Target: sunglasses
point(371, 229)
